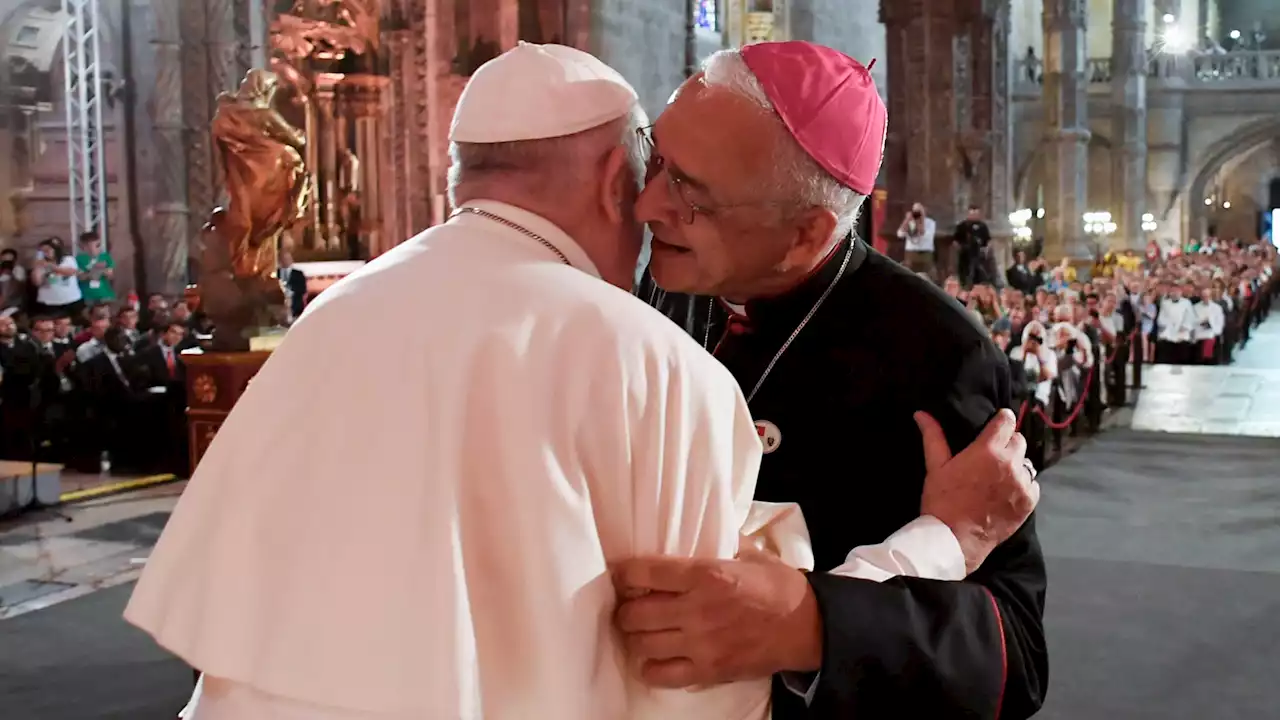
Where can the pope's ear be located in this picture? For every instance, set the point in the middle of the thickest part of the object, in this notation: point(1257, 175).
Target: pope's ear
point(618, 187)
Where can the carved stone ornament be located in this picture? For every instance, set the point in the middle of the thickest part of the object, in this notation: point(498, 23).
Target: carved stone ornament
point(205, 389)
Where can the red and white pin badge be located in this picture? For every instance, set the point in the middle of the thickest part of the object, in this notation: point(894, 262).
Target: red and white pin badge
point(770, 436)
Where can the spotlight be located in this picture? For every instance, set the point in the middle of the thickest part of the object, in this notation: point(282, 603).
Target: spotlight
point(1226, 205)
point(1175, 41)
point(1235, 35)
point(1208, 201)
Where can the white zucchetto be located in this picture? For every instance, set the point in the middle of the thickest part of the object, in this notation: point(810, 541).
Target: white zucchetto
point(534, 92)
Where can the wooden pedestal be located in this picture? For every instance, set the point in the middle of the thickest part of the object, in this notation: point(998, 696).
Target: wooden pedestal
point(215, 381)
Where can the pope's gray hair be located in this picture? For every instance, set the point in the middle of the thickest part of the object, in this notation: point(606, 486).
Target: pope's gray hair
point(799, 179)
point(549, 162)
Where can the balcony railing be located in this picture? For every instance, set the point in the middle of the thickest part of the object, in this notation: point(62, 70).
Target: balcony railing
point(1248, 68)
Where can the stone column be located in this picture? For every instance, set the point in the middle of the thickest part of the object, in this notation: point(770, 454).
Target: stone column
point(921, 151)
point(227, 49)
point(431, 30)
point(169, 233)
point(366, 103)
point(403, 138)
point(1129, 123)
point(950, 139)
point(197, 112)
point(989, 140)
point(251, 33)
point(1066, 157)
point(330, 140)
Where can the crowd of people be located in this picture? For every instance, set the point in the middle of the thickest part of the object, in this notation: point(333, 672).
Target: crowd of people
point(88, 379)
point(1071, 336)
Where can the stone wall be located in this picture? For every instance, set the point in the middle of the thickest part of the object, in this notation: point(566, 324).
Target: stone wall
point(644, 40)
point(850, 26)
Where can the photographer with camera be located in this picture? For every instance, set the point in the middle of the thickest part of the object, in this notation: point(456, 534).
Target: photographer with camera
point(1039, 366)
point(917, 230)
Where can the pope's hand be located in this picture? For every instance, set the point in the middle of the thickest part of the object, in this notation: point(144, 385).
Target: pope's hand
point(703, 622)
point(985, 493)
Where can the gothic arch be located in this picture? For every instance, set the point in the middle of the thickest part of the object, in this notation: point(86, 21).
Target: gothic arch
point(1235, 146)
point(1030, 168)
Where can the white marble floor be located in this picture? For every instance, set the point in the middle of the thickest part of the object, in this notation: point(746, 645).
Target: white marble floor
point(1241, 399)
point(46, 559)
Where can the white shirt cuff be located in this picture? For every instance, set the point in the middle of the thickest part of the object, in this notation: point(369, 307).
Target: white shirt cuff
point(923, 548)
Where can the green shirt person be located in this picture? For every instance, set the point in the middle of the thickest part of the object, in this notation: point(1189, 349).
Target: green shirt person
point(96, 270)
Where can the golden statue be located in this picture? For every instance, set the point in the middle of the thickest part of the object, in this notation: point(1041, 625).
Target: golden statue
point(327, 29)
point(268, 188)
point(268, 192)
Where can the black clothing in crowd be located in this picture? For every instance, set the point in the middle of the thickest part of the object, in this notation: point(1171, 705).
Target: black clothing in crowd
point(124, 400)
point(973, 238)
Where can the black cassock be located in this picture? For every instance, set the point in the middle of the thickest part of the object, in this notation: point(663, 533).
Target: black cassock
point(837, 408)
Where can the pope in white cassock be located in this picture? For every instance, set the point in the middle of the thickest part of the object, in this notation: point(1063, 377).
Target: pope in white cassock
point(425, 532)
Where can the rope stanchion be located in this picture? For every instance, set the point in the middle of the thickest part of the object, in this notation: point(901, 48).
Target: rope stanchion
point(1115, 352)
point(1084, 395)
point(1022, 414)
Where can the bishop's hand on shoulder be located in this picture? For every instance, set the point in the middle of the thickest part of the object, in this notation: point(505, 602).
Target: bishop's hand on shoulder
point(985, 493)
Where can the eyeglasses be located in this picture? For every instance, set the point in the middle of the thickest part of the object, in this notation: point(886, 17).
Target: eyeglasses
point(686, 209)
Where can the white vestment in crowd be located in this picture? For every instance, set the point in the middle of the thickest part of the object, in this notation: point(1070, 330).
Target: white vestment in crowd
point(411, 511)
point(1177, 321)
point(1209, 321)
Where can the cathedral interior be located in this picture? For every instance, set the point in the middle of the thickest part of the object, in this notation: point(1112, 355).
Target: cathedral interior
point(1043, 106)
point(1084, 133)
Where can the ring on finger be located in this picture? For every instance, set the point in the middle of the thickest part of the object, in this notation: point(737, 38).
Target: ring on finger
point(1031, 469)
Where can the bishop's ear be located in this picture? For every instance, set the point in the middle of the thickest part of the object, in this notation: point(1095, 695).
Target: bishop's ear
point(814, 228)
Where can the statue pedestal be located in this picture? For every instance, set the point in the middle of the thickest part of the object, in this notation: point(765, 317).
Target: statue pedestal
point(215, 382)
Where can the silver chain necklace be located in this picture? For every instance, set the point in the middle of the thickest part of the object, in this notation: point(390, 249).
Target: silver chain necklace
point(794, 333)
point(514, 226)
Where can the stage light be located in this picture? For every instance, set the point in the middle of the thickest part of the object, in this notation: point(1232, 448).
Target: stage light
point(1208, 201)
point(1226, 205)
point(1018, 218)
point(1235, 34)
point(1175, 40)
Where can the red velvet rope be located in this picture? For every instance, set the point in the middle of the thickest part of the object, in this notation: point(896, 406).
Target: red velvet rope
point(1116, 351)
point(1084, 396)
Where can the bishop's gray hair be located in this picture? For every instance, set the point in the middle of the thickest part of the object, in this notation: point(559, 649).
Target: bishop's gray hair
point(548, 165)
point(799, 178)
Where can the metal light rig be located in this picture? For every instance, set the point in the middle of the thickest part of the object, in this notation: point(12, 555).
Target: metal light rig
point(82, 75)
